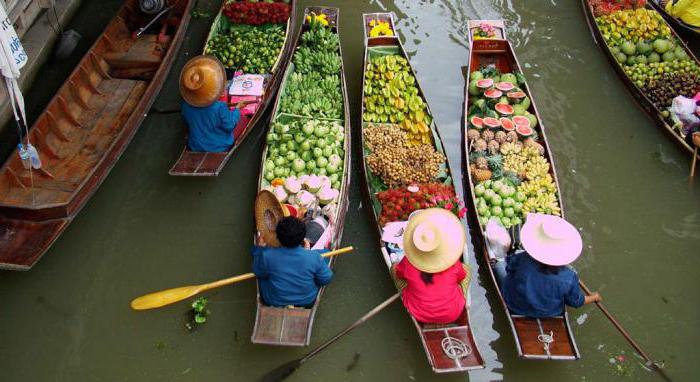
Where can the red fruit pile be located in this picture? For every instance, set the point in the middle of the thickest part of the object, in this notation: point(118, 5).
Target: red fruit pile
point(244, 12)
point(606, 7)
point(398, 203)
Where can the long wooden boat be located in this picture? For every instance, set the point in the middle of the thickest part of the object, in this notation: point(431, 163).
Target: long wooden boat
point(449, 347)
point(84, 130)
point(677, 23)
point(530, 334)
point(193, 163)
point(638, 94)
point(291, 326)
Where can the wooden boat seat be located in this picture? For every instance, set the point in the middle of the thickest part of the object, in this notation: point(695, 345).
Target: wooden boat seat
point(281, 326)
point(72, 160)
point(138, 58)
point(198, 163)
point(529, 331)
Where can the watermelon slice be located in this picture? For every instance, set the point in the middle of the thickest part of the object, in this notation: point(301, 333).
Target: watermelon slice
point(477, 122)
point(516, 95)
point(521, 121)
point(491, 122)
point(505, 86)
point(485, 83)
point(524, 131)
point(504, 109)
point(493, 93)
point(507, 124)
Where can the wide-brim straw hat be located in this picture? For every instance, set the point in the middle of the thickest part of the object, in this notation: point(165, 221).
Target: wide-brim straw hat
point(550, 239)
point(202, 81)
point(433, 240)
point(268, 212)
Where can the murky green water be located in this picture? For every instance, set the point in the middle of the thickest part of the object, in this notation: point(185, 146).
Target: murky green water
point(623, 182)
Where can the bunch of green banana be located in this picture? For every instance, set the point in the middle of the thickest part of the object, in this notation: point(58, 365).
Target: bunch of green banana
point(321, 37)
point(308, 60)
point(313, 95)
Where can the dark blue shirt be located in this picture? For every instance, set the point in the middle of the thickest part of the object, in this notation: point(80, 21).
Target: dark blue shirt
point(290, 276)
point(211, 127)
point(529, 291)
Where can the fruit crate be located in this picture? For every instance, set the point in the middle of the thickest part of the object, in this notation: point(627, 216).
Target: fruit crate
point(222, 25)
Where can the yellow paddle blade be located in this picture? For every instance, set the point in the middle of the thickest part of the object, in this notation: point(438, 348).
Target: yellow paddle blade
point(165, 297)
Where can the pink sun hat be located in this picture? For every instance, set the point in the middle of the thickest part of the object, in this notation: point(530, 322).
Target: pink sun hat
point(550, 239)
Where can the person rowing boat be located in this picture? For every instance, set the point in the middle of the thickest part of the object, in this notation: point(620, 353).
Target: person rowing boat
point(535, 280)
point(289, 272)
point(432, 280)
point(211, 123)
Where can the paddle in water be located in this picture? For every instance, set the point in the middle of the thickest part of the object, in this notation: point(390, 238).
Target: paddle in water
point(289, 368)
point(649, 362)
point(170, 296)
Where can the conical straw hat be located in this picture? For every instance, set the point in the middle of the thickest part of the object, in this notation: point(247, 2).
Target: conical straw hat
point(550, 239)
point(268, 212)
point(202, 81)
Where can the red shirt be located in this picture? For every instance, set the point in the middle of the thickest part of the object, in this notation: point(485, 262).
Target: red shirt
point(438, 303)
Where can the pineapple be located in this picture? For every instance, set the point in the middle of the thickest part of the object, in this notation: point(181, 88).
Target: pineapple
point(482, 163)
point(480, 175)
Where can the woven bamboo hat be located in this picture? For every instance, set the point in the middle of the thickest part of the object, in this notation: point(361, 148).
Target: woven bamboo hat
point(202, 80)
point(433, 240)
point(268, 212)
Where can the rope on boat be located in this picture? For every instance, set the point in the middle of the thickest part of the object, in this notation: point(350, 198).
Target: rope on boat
point(454, 348)
point(546, 339)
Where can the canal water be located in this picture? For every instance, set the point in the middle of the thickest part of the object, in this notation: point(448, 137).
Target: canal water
point(624, 183)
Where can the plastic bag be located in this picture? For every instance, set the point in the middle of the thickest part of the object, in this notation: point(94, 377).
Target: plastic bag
point(497, 239)
point(684, 110)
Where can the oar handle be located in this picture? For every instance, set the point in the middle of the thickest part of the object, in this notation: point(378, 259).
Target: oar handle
point(248, 276)
point(695, 160)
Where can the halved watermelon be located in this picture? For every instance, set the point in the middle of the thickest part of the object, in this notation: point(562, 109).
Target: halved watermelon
point(504, 109)
point(521, 121)
point(516, 95)
point(493, 93)
point(491, 122)
point(477, 122)
point(523, 130)
point(485, 83)
point(507, 124)
point(505, 86)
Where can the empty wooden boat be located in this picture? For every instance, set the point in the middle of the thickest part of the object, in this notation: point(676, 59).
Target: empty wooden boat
point(85, 128)
point(535, 338)
point(193, 163)
point(449, 347)
point(643, 99)
point(291, 326)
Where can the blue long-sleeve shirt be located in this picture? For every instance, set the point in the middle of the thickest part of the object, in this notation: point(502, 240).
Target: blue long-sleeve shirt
point(530, 292)
point(290, 276)
point(211, 127)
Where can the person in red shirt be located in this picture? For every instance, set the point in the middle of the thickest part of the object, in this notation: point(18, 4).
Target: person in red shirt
point(435, 280)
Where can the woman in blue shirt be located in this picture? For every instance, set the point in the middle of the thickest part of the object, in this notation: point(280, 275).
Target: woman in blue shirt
point(536, 281)
point(211, 123)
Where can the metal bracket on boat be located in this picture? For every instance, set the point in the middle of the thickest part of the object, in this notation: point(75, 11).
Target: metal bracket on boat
point(454, 348)
point(546, 339)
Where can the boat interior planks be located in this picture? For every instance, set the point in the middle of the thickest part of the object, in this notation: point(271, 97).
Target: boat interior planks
point(84, 129)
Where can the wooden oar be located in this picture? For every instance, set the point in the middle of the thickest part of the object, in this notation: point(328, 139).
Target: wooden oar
point(169, 296)
point(695, 160)
point(289, 368)
point(649, 362)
